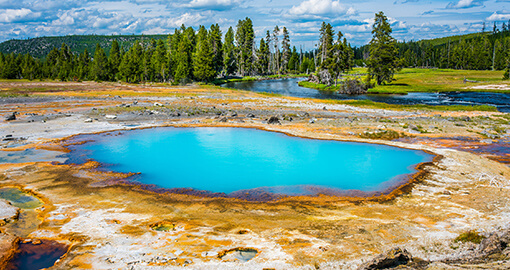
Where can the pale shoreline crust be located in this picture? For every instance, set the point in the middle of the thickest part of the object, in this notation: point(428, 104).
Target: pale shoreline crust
point(109, 226)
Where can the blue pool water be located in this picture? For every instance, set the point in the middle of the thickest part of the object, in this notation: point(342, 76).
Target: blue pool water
point(226, 160)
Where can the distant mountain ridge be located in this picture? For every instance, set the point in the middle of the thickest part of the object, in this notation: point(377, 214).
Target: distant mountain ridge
point(41, 46)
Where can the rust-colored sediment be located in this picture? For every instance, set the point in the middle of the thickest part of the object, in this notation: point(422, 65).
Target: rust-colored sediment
point(97, 212)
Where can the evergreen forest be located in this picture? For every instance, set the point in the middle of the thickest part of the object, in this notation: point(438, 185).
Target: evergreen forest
point(206, 54)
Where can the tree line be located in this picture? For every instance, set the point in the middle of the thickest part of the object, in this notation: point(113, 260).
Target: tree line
point(480, 51)
point(187, 55)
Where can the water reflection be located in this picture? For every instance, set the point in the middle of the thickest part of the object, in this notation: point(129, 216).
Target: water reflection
point(290, 87)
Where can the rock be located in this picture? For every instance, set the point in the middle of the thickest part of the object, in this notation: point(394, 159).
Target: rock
point(390, 259)
point(312, 120)
point(157, 104)
point(11, 117)
point(8, 246)
point(110, 116)
point(8, 212)
point(305, 114)
point(223, 120)
point(494, 244)
point(9, 137)
point(324, 108)
point(274, 120)
point(234, 114)
point(250, 115)
point(88, 120)
point(465, 118)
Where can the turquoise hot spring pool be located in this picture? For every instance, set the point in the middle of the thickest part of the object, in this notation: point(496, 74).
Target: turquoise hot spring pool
point(239, 160)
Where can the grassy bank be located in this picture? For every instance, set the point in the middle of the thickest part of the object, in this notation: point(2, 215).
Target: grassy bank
point(258, 78)
point(379, 105)
point(429, 80)
point(318, 86)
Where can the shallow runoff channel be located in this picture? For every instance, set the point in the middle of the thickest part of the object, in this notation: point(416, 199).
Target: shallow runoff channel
point(290, 87)
point(238, 161)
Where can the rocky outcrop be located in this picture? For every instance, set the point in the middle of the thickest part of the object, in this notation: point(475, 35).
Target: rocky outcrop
point(391, 259)
point(8, 246)
point(8, 212)
point(274, 120)
point(495, 244)
point(11, 117)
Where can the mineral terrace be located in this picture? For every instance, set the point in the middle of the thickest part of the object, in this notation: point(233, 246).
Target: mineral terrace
point(109, 224)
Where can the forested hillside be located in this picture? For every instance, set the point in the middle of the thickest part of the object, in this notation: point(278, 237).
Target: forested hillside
point(477, 51)
point(184, 56)
point(40, 47)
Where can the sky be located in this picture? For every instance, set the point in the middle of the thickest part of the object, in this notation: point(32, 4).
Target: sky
point(410, 19)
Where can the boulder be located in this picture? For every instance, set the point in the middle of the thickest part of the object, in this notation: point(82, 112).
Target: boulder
point(495, 244)
point(11, 117)
point(250, 115)
point(110, 116)
point(274, 120)
point(223, 120)
point(390, 259)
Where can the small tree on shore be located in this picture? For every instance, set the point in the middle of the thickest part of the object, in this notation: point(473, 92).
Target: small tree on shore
point(383, 61)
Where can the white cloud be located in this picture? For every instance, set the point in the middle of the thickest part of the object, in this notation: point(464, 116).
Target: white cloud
point(211, 4)
point(465, 4)
point(187, 19)
point(13, 15)
point(499, 17)
point(64, 19)
point(321, 7)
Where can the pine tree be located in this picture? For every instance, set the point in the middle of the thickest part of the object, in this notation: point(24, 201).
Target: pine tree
point(160, 62)
point(65, 63)
point(114, 60)
point(383, 62)
point(203, 68)
point(325, 44)
point(270, 64)
point(244, 39)
point(29, 67)
point(83, 65)
point(294, 61)
point(173, 48)
point(262, 57)
point(99, 68)
point(216, 47)
point(229, 53)
point(286, 53)
point(182, 60)
point(276, 63)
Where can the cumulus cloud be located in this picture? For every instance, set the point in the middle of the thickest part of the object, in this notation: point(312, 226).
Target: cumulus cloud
point(321, 7)
point(212, 4)
point(499, 16)
point(465, 4)
point(16, 15)
point(188, 19)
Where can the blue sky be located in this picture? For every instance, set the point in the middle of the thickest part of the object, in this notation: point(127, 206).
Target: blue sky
point(411, 19)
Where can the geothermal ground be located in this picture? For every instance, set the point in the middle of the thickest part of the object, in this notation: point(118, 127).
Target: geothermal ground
point(107, 223)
